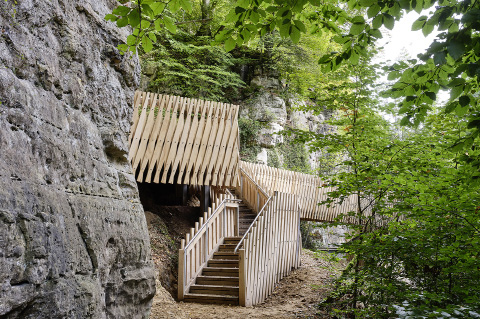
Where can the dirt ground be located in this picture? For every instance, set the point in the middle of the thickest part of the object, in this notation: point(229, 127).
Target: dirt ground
point(296, 296)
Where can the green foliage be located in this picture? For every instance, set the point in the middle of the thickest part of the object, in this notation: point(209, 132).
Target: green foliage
point(427, 256)
point(187, 65)
point(249, 132)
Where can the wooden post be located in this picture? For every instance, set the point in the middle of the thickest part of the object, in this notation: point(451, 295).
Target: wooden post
point(242, 291)
point(181, 191)
point(181, 273)
point(204, 198)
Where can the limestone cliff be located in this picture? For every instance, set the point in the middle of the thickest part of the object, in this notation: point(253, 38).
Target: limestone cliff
point(73, 236)
point(278, 110)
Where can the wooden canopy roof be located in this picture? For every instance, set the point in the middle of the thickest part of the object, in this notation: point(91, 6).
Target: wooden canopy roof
point(185, 141)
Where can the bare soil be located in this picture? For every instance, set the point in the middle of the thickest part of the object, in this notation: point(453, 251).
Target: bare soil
point(296, 296)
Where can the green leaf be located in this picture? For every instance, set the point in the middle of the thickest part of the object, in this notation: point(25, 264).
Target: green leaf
point(388, 21)
point(122, 22)
point(134, 18)
point(405, 121)
point(299, 24)
point(464, 100)
point(376, 33)
point(285, 30)
point(145, 24)
point(147, 44)
point(121, 10)
point(111, 17)
point(186, 5)
point(373, 10)
point(474, 124)
point(453, 27)
point(152, 36)
point(354, 57)
point(157, 7)
point(419, 23)
point(358, 19)
point(427, 29)
point(367, 3)
point(377, 21)
point(131, 39)
point(450, 107)
point(169, 24)
point(294, 34)
point(357, 28)
point(456, 49)
point(461, 110)
point(174, 5)
point(230, 44)
point(431, 95)
point(440, 57)
point(147, 11)
point(455, 92)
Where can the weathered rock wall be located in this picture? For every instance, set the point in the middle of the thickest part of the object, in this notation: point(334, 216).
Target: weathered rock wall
point(73, 236)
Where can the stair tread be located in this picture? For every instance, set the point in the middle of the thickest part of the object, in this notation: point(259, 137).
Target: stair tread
point(213, 286)
point(211, 296)
point(217, 277)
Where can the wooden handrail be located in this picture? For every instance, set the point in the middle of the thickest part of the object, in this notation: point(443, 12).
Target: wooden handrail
point(270, 250)
point(198, 247)
point(253, 181)
point(220, 206)
point(240, 243)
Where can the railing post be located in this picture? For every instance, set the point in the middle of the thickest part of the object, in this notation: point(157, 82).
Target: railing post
point(224, 220)
point(241, 185)
point(237, 227)
point(182, 269)
point(258, 201)
point(206, 245)
point(242, 277)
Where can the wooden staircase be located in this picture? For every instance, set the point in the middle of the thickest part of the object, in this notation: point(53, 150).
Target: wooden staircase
point(218, 282)
point(247, 215)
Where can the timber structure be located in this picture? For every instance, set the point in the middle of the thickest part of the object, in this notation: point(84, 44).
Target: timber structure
point(249, 237)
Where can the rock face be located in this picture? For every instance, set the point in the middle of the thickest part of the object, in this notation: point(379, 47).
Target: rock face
point(270, 107)
point(73, 236)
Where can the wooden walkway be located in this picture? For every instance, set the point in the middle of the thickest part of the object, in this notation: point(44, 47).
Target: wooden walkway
point(185, 141)
point(307, 188)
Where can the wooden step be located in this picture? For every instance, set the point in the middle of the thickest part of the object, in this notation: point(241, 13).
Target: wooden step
point(217, 280)
point(216, 299)
point(222, 263)
point(214, 290)
point(232, 240)
point(227, 247)
point(226, 255)
point(217, 271)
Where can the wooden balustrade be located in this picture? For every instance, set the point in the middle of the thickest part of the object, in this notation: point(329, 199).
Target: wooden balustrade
point(197, 248)
point(252, 193)
point(270, 249)
point(308, 189)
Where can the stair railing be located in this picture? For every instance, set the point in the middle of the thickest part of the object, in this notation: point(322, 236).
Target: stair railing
point(251, 193)
point(271, 246)
point(198, 247)
point(270, 250)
